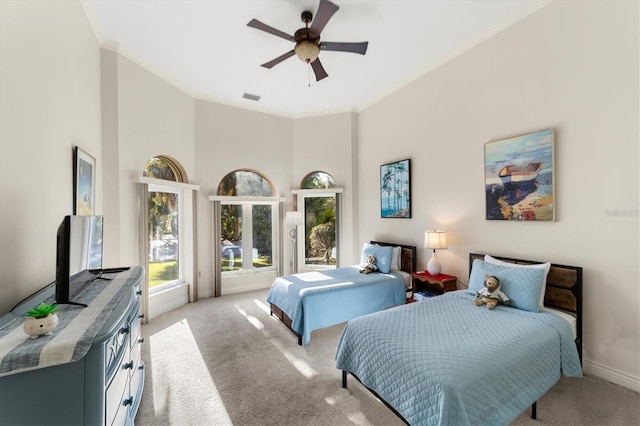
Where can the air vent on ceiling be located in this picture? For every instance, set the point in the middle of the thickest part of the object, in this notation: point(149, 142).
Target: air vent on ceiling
point(251, 97)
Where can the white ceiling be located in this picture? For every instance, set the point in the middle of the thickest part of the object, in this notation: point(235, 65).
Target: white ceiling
point(206, 48)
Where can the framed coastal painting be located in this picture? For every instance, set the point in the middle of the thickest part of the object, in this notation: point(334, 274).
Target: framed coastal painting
point(84, 178)
point(519, 177)
point(395, 189)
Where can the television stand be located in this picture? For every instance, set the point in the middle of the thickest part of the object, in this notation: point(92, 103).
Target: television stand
point(99, 385)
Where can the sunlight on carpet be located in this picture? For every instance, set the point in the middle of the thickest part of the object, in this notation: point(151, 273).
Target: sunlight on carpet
point(303, 367)
point(262, 306)
point(253, 320)
point(178, 369)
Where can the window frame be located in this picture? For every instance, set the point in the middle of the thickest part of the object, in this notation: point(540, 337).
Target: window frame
point(247, 236)
point(170, 189)
point(276, 203)
point(301, 194)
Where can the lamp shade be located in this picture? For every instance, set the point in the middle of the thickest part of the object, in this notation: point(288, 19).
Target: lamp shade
point(293, 218)
point(436, 240)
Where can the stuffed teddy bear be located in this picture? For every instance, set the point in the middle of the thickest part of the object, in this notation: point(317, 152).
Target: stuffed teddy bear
point(370, 265)
point(491, 294)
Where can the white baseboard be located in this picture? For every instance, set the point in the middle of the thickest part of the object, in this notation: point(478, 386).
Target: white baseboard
point(167, 300)
point(625, 380)
point(247, 282)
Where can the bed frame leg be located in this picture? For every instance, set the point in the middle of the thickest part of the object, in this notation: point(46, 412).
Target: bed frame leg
point(534, 410)
point(344, 379)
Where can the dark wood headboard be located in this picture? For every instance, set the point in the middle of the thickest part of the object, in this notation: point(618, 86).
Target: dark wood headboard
point(564, 288)
point(408, 255)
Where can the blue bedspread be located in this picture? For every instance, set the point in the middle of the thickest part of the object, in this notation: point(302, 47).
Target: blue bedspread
point(445, 361)
point(315, 300)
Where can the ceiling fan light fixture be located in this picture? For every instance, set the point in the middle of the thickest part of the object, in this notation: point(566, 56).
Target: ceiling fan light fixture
point(307, 50)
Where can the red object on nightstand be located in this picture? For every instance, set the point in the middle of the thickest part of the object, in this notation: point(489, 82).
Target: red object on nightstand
point(439, 277)
point(441, 282)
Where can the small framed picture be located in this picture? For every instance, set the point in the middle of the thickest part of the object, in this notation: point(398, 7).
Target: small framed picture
point(395, 190)
point(84, 181)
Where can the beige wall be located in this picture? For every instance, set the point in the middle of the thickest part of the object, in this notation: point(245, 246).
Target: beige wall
point(327, 143)
point(154, 118)
point(228, 139)
point(49, 102)
point(572, 66)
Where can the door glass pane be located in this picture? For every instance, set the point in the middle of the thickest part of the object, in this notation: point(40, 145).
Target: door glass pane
point(320, 230)
point(231, 244)
point(164, 238)
point(262, 236)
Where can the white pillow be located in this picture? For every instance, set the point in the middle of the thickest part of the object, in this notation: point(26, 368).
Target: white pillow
point(545, 266)
point(396, 263)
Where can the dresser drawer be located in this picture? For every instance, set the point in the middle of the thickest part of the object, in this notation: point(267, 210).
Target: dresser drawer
point(115, 349)
point(135, 387)
point(135, 331)
point(116, 395)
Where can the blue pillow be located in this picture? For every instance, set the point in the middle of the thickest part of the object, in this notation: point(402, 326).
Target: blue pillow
point(522, 285)
point(383, 255)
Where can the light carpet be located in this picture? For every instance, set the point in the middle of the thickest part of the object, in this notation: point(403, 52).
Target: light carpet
point(226, 361)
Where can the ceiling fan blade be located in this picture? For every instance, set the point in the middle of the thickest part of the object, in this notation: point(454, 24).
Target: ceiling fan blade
point(360, 47)
point(254, 23)
point(326, 9)
point(279, 59)
point(318, 70)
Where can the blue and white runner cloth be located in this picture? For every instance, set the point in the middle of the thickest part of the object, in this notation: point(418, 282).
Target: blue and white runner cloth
point(76, 331)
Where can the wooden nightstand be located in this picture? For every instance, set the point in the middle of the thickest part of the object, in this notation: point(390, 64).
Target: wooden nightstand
point(423, 281)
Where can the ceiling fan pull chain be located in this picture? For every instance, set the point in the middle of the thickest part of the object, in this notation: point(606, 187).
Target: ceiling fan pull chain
point(309, 73)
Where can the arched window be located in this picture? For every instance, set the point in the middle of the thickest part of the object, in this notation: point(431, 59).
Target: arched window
point(165, 168)
point(245, 183)
point(247, 225)
point(318, 180)
point(318, 199)
point(164, 223)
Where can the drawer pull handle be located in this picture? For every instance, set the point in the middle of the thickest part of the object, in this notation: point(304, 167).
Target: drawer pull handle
point(141, 367)
point(141, 316)
point(128, 365)
point(139, 293)
point(128, 401)
point(125, 330)
point(141, 340)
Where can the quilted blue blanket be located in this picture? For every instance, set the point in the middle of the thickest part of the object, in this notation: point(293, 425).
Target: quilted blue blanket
point(445, 361)
point(315, 300)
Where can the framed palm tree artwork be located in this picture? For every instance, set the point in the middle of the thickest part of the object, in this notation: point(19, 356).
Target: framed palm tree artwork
point(395, 189)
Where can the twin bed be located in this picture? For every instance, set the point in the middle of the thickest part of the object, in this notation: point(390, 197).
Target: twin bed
point(446, 361)
point(311, 300)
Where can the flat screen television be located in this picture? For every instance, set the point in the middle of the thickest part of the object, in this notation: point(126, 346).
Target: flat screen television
point(79, 248)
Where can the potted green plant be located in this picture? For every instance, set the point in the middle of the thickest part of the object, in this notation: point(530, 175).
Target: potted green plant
point(41, 319)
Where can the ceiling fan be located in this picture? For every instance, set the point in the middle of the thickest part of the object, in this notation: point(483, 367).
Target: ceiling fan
point(307, 39)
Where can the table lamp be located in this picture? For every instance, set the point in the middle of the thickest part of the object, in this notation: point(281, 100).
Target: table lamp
point(435, 240)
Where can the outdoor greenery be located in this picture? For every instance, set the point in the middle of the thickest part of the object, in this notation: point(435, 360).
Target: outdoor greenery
point(320, 217)
point(163, 222)
point(246, 183)
point(318, 180)
point(162, 272)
